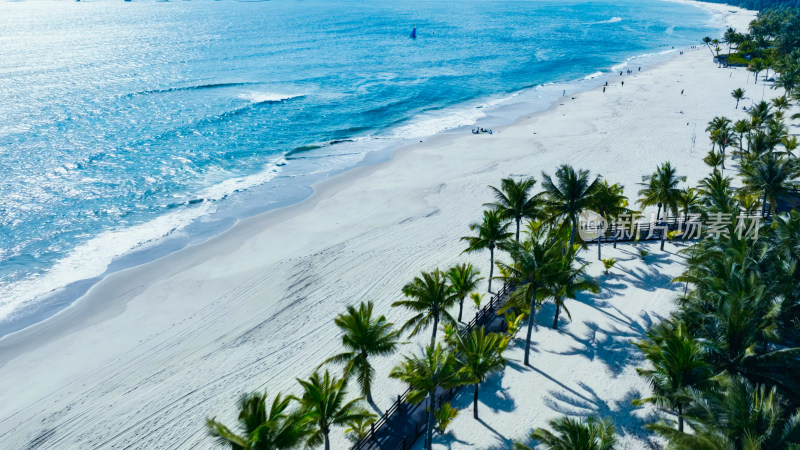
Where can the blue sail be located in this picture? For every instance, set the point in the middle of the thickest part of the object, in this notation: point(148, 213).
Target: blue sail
point(414, 32)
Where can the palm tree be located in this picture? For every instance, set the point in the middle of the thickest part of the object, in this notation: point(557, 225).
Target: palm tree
point(789, 145)
point(573, 434)
point(570, 193)
point(713, 159)
point(567, 280)
point(756, 66)
point(533, 259)
point(435, 369)
point(729, 38)
point(689, 201)
point(263, 426)
point(464, 278)
point(661, 188)
point(324, 405)
point(781, 103)
point(480, 355)
point(737, 415)
point(741, 127)
point(429, 295)
point(677, 362)
point(716, 193)
point(760, 114)
point(610, 202)
point(491, 234)
point(716, 125)
point(513, 200)
point(707, 41)
point(358, 428)
point(364, 337)
point(771, 175)
point(738, 94)
point(789, 80)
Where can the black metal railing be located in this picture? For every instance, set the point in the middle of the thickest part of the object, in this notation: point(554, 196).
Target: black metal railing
point(404, 422)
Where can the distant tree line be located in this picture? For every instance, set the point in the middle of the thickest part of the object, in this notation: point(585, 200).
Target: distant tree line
point(760, 5)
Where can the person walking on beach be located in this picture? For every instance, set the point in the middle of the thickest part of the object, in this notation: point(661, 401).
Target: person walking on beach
point(604, 89)
point(623, 83)
point(681, 91)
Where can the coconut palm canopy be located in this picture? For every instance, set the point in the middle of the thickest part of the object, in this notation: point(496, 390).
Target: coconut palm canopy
point(567, 194)
point(364, 336)
point(662, 189)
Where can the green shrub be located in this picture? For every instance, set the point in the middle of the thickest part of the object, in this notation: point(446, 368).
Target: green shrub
point(608, 263)
point(444, 416)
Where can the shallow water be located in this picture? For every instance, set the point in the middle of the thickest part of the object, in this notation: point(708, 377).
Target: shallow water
point(127, 122)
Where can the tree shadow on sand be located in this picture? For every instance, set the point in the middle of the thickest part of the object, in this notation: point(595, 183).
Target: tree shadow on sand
point(492, 396)
point(622, 412)
point(612, 346)
point(448, 439)
point(648, 279)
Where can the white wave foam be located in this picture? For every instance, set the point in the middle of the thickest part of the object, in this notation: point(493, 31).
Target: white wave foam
point(438, 121)
point(227, 187)
point(622, 65)
point(261, 97)
point(611, 20)
point(92, 258)
point(594, 75)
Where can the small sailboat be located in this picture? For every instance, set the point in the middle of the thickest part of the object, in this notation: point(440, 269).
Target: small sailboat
point(414, 32)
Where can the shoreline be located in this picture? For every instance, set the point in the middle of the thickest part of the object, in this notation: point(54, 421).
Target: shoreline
point(503, 112)
point(227, 271)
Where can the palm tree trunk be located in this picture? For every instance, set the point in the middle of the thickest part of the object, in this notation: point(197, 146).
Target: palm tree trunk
point(327, 442)
point(530, 327)
point(435, 326)
point(460, 309)
point(658, 213)
point(475, 402)
point(518, 219)
point(572, 234)
point(737, 103)
point(555, 318)
point(680, 417)
point(598, 247)
point(491, 267)
point(764, 204)
point(429, 433)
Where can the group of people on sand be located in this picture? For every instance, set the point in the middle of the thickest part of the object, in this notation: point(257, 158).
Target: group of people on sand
point(481, 131)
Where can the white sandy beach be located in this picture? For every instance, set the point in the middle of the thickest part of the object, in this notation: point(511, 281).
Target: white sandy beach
point(151, 351)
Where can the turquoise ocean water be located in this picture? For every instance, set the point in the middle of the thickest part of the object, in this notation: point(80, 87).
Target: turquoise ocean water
point(131, 129)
